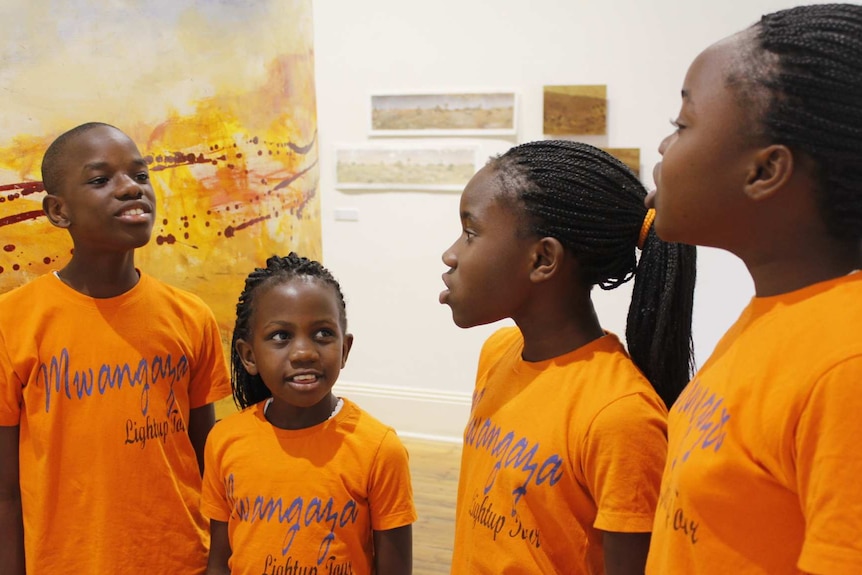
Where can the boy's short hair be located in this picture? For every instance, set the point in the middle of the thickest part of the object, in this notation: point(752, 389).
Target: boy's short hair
point(51, 176)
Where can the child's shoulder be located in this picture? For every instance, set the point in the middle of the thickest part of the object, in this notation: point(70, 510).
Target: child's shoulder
point(503, 338)
point(29, 295)
point(358, 415)
point(236, 421)
point(366, 424)
point(171, 292)
point(178, 299)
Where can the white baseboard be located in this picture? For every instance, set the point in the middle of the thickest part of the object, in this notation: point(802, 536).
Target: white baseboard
point(434, 414)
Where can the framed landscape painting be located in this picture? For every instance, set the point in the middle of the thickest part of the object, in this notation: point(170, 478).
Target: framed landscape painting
point(445, 114)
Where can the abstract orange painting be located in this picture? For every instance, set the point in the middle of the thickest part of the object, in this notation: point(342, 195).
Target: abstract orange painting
point(220, 98)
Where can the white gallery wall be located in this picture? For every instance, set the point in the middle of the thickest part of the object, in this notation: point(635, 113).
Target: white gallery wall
point(410, 365)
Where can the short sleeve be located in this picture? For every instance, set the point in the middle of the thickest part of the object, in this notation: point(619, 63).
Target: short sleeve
point(11, 389)
point(828, 463)
point(214, 504)
point(390, 492)
point(210, 380)
point(623, 459)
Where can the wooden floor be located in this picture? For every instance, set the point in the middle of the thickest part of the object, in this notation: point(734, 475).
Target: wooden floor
point(434, 468)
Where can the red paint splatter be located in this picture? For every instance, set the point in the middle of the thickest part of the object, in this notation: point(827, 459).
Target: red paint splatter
point(26, 188)
point(16, 267)
point(9, 248)
point(23, 216)
point(46, 260)
point(168, 239)
point(230, 230)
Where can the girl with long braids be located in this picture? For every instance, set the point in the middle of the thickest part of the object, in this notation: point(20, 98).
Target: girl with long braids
point(301, 481)
point(566, 441)
point(764, 463)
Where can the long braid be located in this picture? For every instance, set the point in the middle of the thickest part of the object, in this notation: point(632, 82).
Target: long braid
point(593, 204)
point(249, 389)
point(815, 100)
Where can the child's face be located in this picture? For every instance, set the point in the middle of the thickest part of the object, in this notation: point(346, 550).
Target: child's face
point(105, 198)
point(490, 262)
point(706, 160)
point(297, 344)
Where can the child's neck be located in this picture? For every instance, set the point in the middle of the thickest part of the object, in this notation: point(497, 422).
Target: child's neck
point(557, 332)
point(102, 277)
point(807, 263)
point(285, 416)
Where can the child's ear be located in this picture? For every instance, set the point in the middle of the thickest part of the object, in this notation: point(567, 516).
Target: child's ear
point(345, 348)
point(772, 169)
point(246, 356)
point(55, 208)
point(547, 257)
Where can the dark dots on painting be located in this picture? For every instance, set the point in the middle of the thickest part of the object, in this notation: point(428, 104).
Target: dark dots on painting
point(16, 267)
point(46, 260)
point(9, 248)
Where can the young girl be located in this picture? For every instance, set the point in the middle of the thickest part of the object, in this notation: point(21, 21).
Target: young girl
point(764, 468)
point(301, 481)
point(566, 440)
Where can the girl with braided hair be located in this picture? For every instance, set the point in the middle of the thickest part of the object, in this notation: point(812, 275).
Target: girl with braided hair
point(566, 442)
point(301, 481)
point(766, 162)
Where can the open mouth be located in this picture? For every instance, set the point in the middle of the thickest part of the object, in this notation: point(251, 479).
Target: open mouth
point(135, 214)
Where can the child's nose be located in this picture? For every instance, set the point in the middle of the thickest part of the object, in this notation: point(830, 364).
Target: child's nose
point(302, 350)
point(129, 188)
point(665, 144)
point(449, 257)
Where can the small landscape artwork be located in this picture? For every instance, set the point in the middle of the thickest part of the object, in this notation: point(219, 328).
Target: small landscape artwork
point(575, 110)
point(631, 157)
point(422, 168)
point(492, 113)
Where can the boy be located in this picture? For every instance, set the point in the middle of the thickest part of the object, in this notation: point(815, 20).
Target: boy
point(107, 378)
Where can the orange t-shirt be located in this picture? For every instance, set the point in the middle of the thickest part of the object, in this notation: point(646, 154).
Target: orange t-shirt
point(101, 390)
point(764, 472)
point(555, 452)
point(305, 500)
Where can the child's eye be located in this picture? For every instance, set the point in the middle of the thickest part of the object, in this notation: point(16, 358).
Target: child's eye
point(469, 234)
point(143, 177)
point(676, 124)
point(325, 333)
point(279, 336)
point(101, 180)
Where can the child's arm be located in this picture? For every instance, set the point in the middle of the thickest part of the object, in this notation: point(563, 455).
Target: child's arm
point(393, 551)
point(201, 420)
point(625, 553)
point(220, 550)
point(11, 522)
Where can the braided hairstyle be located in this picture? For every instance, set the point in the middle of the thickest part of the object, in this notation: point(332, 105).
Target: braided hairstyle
point(594, 205)
point(806, 64)
point(51, 176)
point(249, 389)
